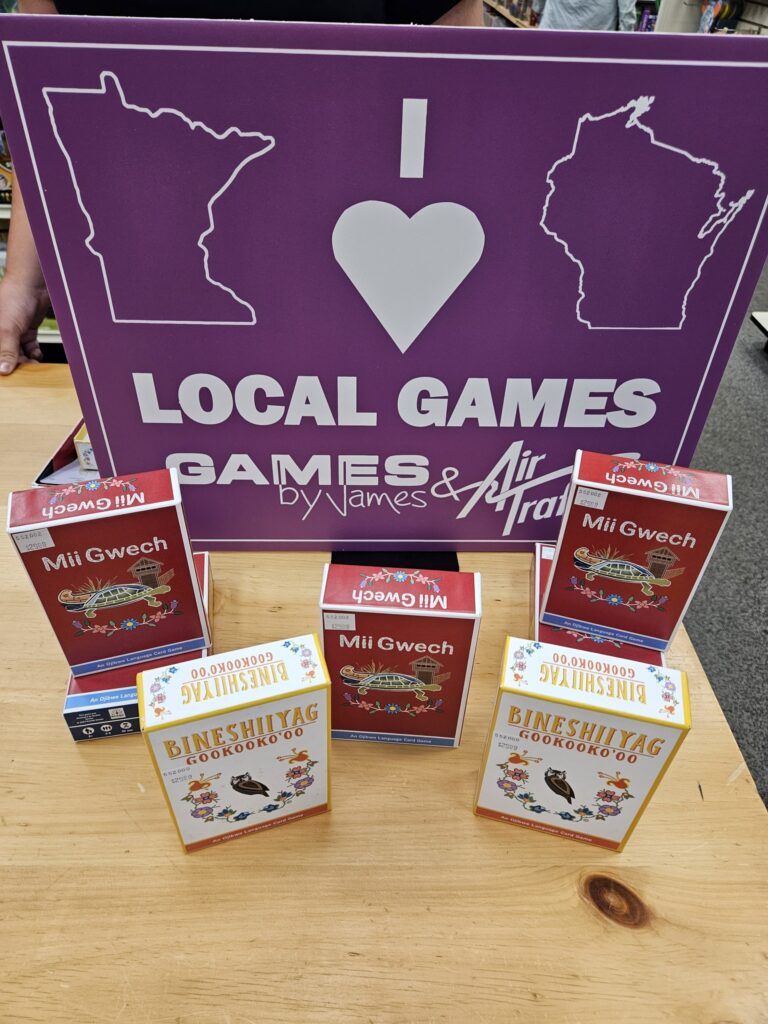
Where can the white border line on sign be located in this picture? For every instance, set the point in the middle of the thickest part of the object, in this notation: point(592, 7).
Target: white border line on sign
point(312, 52)
point(397, 54)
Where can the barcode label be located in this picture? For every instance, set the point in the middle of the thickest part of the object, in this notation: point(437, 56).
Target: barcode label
point(590, 497)
point(339, 620)
point(33, 540)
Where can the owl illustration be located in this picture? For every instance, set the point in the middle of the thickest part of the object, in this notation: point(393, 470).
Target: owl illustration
point(248, 786)
point(556, 782)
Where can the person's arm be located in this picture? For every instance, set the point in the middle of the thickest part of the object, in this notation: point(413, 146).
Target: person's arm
point(627, 15)
point(466, 12)
point(536, 11)
point(23, 296)
point(37, 7)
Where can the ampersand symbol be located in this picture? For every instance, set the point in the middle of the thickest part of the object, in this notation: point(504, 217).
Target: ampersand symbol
point(449, 475)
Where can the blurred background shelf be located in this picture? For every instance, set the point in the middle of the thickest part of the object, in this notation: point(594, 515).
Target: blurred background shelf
point(502, 11)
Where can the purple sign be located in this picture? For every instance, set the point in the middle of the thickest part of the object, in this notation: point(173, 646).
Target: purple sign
point(373, 286)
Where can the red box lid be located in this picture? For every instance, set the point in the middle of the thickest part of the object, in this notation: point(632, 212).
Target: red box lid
point(401, 591)
point(93, 499)
point(653, 479)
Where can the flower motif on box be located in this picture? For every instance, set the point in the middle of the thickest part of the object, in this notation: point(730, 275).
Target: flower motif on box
point(632, 604)
point(298, 780)
point(652, 467)
point(129, 623)
point(607, 802)
point(90, 487)
point(400, 576)
point(519, 664)
point(391, 708)
point(670, 703)
point(307, 662)
point(158, 696)
point(204, 802)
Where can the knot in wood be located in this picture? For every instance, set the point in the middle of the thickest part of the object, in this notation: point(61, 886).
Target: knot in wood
point(616, 901)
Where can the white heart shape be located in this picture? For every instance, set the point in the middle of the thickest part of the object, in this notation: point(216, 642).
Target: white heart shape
point(406, 269)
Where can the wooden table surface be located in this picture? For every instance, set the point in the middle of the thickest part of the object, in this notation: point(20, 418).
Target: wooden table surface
point(398, 906)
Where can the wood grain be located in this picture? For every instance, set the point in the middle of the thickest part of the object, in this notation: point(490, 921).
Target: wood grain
point(400, 905)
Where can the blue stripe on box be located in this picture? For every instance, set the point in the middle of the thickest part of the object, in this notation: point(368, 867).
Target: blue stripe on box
point(137, 657)
point(652, 643)
point(78, 701)
point(385, 737)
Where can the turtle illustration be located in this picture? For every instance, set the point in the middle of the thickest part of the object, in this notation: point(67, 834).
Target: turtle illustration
point(392, 682)
point(90, 601)
point(617, 569)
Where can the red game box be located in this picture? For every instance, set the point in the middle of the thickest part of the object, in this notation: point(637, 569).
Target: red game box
point(106, 704)
point(635, 540)
point(399, 644)
point(111, 563)
point(592, 643)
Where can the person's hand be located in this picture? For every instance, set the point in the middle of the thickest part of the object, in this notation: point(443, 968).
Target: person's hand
point(533, 18)
point(22, 308)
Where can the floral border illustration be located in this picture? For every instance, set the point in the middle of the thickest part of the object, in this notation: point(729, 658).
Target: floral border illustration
point(607, 801)
point(205, 801)
point(108, 484)
point(128, 624)
point(652, 467)
point(391, 708)
point(519, 664)
point(400, 576)
point(158, 696)
point(307, 660)
point(299, 780)
point(632, 604)
point(668, 691)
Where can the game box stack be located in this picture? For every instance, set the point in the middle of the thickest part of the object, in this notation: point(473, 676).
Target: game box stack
point(400, 645)
point(592, 642)
point(240, 741)
point(635, 540)
point(111, 562)
point(64, 465)
point(579, 742)
point(106, 704)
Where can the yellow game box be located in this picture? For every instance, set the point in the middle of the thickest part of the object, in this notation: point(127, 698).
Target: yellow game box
point(579, 742)
point(240, 741)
